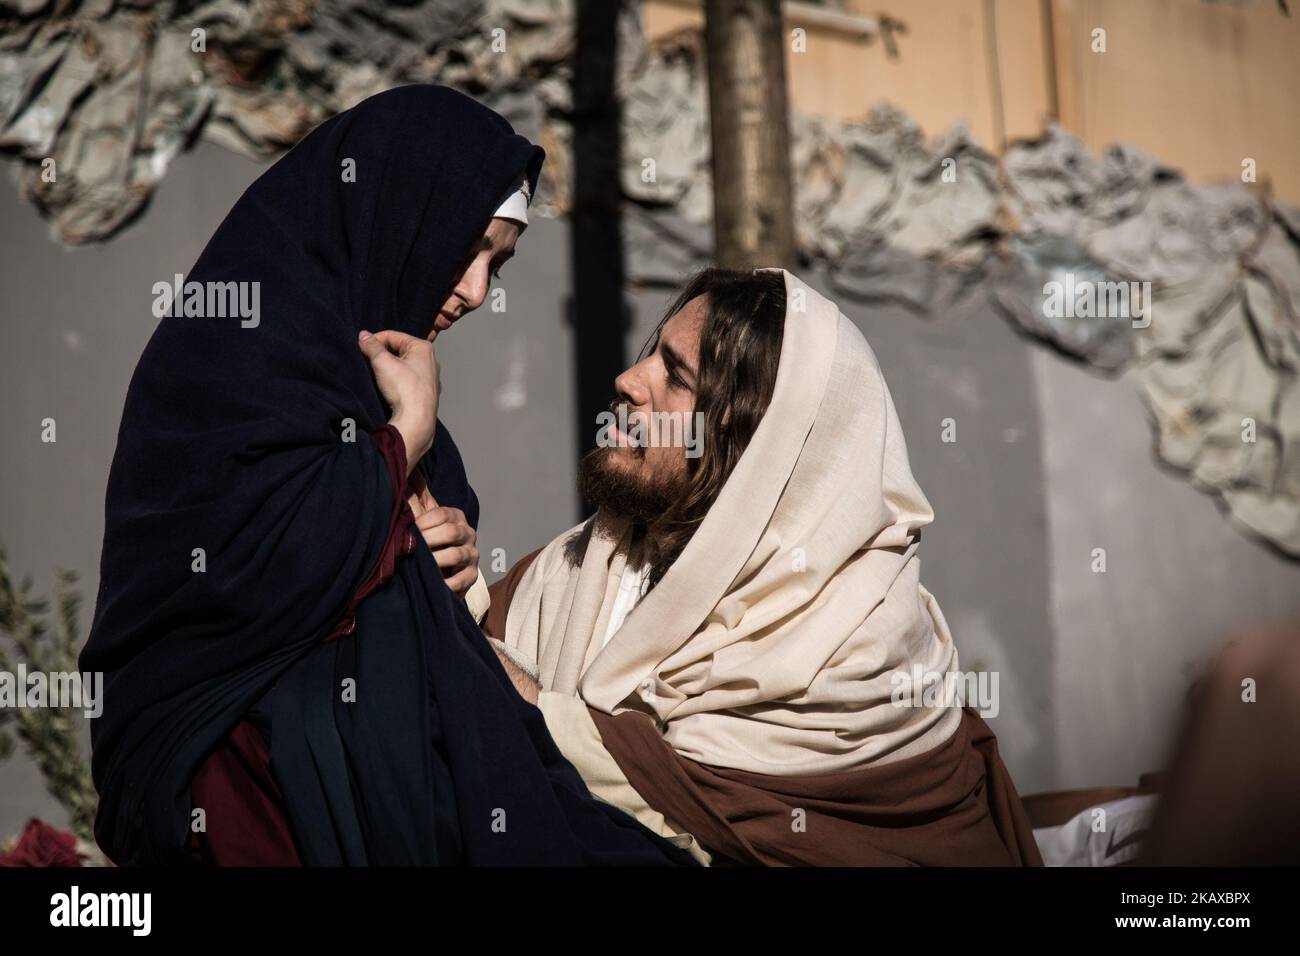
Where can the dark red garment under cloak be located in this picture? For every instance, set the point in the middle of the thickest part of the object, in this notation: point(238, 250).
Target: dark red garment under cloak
point(244, 812)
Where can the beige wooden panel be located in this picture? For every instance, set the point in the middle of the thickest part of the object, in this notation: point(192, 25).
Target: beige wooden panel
point(941, 76)
point(1023, 39)
point(1200, 86)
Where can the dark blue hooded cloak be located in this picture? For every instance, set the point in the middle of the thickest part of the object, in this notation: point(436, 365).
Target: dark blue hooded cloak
point(231, 442)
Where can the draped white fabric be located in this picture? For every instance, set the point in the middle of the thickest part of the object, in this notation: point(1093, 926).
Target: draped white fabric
point(771, 645)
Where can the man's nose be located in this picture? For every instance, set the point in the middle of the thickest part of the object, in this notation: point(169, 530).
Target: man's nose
point(630, 389)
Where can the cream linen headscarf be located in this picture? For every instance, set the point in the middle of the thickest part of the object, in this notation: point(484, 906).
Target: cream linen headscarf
point(770, 643)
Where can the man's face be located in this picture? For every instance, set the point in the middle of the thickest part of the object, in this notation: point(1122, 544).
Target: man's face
point(641, 480)
point(486, 260)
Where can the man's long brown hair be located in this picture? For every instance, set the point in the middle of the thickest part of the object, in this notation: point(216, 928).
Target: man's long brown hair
point(740, 350)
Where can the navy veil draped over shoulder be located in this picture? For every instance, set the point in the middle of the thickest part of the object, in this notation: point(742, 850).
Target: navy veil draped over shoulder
point(239, 522)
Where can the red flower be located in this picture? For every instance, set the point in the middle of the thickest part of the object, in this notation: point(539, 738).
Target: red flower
point(43, 845)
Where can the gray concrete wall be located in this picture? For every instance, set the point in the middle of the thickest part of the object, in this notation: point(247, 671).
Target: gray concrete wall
point(1050, 462)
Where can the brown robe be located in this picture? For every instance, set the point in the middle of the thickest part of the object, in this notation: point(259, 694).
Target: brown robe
point(952, 806)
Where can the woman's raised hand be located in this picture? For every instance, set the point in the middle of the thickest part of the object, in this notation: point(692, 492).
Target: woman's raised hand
point(406, 371)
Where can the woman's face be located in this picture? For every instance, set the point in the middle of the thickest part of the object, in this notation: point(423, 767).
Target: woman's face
point(485, 261)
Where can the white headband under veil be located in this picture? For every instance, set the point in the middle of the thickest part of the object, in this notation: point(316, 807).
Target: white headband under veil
point(515, 204)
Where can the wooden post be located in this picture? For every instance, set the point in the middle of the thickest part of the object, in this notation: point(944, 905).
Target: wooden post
point(753, 202)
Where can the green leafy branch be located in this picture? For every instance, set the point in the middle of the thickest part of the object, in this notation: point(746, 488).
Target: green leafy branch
point(49, 733)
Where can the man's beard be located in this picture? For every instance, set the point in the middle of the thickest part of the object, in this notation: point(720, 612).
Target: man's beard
point(620, 488)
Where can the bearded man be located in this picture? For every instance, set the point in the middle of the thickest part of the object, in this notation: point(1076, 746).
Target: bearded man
point(718, 650)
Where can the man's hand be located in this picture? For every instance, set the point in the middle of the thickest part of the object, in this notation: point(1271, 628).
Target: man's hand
point(448, 535)
point(454, 545)
point(421, 498)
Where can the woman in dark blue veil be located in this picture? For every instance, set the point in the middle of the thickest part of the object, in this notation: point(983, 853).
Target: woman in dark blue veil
point(254, 494)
